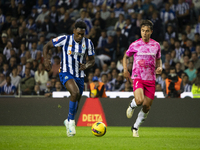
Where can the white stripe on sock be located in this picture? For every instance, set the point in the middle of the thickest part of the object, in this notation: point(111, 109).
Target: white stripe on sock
point(140, 119)
point(133, 103)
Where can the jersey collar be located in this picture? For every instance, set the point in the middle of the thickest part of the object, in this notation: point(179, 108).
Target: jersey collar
point(146, 42)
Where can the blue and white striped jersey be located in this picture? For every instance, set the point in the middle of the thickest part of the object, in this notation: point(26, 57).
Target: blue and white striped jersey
point(73, 53)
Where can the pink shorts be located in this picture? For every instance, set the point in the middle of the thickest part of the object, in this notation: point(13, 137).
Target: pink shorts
point(149, 87)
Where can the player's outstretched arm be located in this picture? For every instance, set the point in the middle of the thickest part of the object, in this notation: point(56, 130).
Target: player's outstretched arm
point(88, 64)
point(158, 66)
point(126, 73)
point(47, 62)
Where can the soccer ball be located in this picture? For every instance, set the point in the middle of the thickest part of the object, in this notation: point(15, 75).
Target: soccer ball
point(99, 129)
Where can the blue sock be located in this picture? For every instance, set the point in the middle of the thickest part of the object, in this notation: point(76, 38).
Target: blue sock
point(72, 110)
point(76, 107)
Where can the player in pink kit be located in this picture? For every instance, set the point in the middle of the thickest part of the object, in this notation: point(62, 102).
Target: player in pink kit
point(147, 63)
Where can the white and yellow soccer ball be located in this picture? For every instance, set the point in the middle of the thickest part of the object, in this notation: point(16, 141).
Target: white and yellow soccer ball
point(99, 129)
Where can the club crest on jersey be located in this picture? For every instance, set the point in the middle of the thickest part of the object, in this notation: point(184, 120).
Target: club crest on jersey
point(83, 47)
point(141, 62)
point(66, 77)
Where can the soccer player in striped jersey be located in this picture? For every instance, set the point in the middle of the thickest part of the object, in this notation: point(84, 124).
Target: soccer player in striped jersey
point(75, 49)
point(147, 63)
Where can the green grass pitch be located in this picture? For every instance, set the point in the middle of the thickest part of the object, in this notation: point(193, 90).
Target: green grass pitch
point(116, 138)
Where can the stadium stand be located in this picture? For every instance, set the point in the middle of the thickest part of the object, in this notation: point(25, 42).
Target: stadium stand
point(25, 26)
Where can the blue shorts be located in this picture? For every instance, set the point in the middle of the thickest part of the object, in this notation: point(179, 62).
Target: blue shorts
point(65, 76)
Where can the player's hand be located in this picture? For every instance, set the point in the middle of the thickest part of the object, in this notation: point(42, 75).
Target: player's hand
point(82, 66)
point(159, 70)
point(47, 64)
point(127, 76)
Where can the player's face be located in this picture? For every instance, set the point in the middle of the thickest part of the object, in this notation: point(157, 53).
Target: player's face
point(146, 33)
point(78, 34)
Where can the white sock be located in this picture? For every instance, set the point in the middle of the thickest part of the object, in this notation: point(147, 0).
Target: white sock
point(133, 103)
point(140, 119)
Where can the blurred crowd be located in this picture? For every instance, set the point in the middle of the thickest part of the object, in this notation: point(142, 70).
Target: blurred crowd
point(112, 25)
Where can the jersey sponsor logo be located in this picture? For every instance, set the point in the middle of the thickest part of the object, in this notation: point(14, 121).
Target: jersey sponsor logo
point(146, 54)
point(75, 53)
point(70, 45)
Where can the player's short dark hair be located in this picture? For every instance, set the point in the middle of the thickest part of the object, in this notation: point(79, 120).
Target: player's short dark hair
point(146, 23)
point(80, 24)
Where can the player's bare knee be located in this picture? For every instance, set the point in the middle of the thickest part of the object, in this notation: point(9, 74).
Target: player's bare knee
point(139, 101)
point(75, 94)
